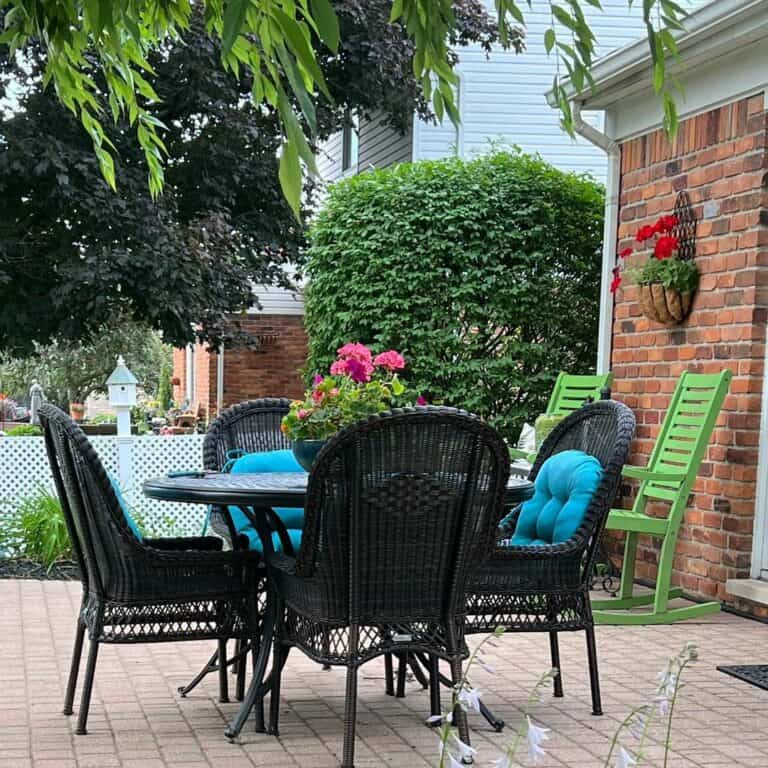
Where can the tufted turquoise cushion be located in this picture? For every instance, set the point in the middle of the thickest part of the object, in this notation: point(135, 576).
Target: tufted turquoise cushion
point(124, 507)
point(564, 488)
point(268, 461)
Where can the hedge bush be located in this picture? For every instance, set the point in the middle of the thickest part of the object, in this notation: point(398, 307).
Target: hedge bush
point(484, 273)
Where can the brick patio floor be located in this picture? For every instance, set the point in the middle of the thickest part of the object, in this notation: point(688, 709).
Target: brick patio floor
point(138, 721)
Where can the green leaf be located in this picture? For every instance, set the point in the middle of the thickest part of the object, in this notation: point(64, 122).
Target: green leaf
point(327, 23)
point(290, 176)
point(234, 16)
point(564, 17)
point(397, 11)
point(549, 39)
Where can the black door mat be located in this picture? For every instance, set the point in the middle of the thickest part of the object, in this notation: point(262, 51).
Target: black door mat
point(754, 674)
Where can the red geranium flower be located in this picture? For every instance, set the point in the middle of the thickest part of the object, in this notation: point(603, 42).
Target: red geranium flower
point(645, 232)
point(625, 252)
point(665, 247)
point(665, 224)
point(615, 283)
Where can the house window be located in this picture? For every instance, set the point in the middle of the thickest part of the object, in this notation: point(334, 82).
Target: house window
point(350, 143)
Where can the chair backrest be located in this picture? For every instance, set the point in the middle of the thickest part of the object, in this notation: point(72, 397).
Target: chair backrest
point(603, 429)
point(401, 511)
point(685, 433)
point(250, 427)
point(572, 391)
point(100, 535)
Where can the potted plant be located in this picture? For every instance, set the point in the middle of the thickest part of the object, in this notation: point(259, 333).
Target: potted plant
point(667, 281)
point(357, 386)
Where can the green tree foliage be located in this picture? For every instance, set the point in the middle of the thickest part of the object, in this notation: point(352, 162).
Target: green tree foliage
point(70, 372)
point(485, 274)
point(74, 254)
point(277, 45)
point(165, 387)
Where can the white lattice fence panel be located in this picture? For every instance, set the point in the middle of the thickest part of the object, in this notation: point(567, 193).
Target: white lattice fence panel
point(156, 455)
point(24, 470)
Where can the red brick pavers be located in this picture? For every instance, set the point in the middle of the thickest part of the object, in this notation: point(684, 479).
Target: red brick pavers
point(138, 720)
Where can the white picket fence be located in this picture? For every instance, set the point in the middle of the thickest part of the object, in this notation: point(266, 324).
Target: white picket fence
point(24, 470)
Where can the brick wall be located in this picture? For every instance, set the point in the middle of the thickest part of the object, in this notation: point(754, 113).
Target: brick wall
point(271, 371)
point(720, 158)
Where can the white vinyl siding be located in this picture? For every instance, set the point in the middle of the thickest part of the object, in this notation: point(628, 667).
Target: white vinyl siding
point(277, 301)
point(502, 96)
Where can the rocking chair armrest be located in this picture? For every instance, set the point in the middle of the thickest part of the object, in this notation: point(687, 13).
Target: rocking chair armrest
point(643, 473)
point(517, 453)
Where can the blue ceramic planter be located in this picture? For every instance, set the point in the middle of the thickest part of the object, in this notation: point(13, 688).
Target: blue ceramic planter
point(306, 451)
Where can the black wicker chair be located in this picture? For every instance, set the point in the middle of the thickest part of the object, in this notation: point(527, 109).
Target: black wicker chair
point(546, 588)
point(249, 427)
point(401, 510)
point(154, 590)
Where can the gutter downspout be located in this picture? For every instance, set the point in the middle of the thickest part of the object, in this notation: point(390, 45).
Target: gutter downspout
point(220, 380)
point(610, 231)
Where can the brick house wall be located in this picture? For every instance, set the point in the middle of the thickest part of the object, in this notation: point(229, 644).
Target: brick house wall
point(719, 157)
point(273, 370)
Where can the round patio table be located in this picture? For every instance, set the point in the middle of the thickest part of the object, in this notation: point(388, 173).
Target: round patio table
point(256, 495)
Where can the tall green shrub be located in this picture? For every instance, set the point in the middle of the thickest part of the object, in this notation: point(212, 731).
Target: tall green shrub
point(485, 274)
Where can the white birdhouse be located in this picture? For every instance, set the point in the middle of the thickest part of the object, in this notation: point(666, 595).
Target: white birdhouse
point(122, 386)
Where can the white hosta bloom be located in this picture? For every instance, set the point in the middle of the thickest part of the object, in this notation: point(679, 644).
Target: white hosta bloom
point(626, 759)
point(469, 698)
point(637, 726)
point(463, 749)
point(663, 704)
point(535, 737)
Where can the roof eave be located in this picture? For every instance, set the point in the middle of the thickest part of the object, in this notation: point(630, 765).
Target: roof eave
point(714, 30)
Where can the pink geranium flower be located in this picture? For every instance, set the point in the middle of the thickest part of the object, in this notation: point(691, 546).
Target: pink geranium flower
point(355, 351)
point(339, 368)
point(318, 379)
point(302, 413)
point(358, 371)
point(391, 360)
point(421, 400)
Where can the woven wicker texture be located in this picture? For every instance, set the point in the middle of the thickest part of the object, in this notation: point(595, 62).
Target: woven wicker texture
point(401, 510)
point(546, 588)
point(141, 591)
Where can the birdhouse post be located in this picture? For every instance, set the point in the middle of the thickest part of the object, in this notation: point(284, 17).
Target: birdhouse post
point(121, 385)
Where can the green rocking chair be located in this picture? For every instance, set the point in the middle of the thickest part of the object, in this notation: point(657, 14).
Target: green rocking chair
point(671, 472)
point(569, 394)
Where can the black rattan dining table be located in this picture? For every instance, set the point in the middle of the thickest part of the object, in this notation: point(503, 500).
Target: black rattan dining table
point(256, 494)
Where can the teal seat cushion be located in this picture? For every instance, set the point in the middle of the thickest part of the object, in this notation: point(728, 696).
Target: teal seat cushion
point(255, 541)
point(268, 461)
point(563, 491)
point(124, 507)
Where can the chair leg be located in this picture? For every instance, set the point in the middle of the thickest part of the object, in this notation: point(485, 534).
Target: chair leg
point(628, 566)
point(74, 668)
point(434, 687)
point(85, 696)
point(389, 674)
point(402, 668)
point(223, 683)
point(594, 677)
point(274, 698)
point(459, 715)
point(554, 648)
point(350, 718)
